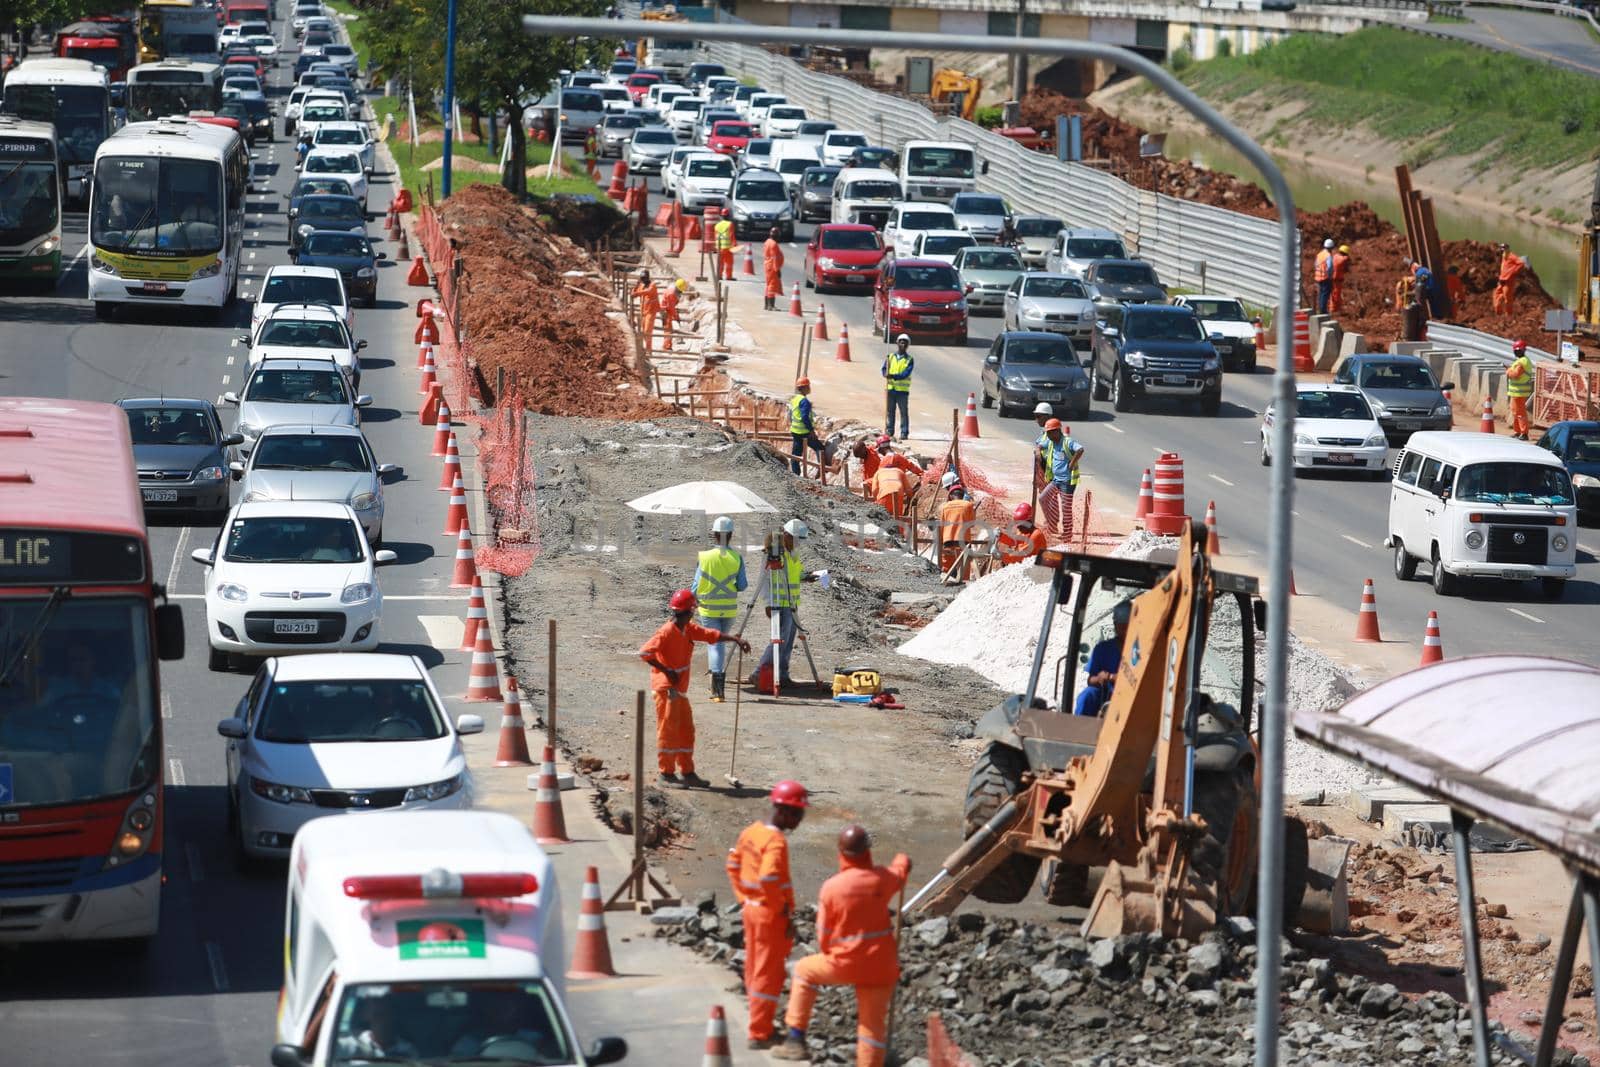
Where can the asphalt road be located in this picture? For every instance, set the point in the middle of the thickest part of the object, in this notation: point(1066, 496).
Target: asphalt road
point(1565, 42)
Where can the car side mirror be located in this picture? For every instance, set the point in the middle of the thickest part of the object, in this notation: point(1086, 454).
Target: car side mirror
point(469, 724)
point(384, 555)
point(1218, 337)
point(169, 632)
point(992, 359)
point(360, 345)
point(1447, 387)
point(243, 338)
point(233, 439)
point(234, 728)
point(236, 469)
point(201, 555)
point(381, 255)
point(388, 468)
point(604, 1050)
point(230, 398)
point(287, 1056)
point(1110, 331)
point(363, 401)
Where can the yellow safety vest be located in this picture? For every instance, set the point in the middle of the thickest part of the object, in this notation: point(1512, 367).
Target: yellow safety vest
point(1049, 452)
point(797, 422)
point(1522, 386)
point(718, 588)
point(724, 235)
point(786, 582)
point(897, 364)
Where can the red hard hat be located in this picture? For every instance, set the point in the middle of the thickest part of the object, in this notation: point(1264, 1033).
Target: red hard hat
point(790, 794)
point(883, 439)
point(1519, 346)
point(1023, 513)
point(682, 600)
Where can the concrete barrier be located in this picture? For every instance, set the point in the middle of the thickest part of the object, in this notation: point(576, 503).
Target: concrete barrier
point(1325, 351)
point(1352, 344)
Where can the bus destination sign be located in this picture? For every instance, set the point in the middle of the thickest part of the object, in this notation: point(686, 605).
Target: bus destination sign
point(65, 557)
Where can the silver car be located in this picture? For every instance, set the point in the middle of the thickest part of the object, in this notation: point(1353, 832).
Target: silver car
point(1401, 391)
point(1033, 236)
point(615, 132)
point(309, 462)
point(1057, 303)
point(758, 204)
point(987, 273)
point(984, 215)
point(648, 149)
point(1075, 249)
point(182, 454)
point(294, 392)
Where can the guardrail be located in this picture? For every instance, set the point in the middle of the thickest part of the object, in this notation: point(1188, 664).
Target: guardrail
point(1564, 10)
point(1477, 343)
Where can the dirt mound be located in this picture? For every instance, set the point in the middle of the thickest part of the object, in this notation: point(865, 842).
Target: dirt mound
point(521, 315)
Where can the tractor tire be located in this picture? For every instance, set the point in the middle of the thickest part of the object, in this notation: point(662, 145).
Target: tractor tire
point(1064, 884)
point(1226, 857)
point(995, 779)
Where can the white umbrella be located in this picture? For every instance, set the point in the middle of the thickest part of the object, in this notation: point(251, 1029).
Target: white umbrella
point(711, 498)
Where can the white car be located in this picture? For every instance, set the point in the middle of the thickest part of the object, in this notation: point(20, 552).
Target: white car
point(616, 98)
point(352, 136)
point(707, 179)
point(942, 245)
point(756, 111)
point(243, 86)
point(672, 169)
point(264, 45)
point(306, 331)
point(302, 12)
point(837, 146)
point(319, 106)
point(291, 576)
point(1228, 324)
point(340, 162)
point(327, 735)
point(289, 284)
point(1334, 429)
point(332, 463)
point(680, 115)
point(783, 120)
point(909, 218)
point(281, 392)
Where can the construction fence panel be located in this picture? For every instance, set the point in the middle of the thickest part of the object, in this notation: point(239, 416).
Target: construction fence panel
point(1564, 393)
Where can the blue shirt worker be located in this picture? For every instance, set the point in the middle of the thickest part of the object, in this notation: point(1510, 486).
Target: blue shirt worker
point(1104, 659)
point(1062, 457)
point(802, 424)
point(719, 578)
point(897, 368)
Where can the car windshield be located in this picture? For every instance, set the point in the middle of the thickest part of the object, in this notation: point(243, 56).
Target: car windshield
point(1219, 310)
point(720, 167)
point(991, 259)
point(1037, 227)
point(1316, 404)
point(285, 539)
point(654, 137)
point(929, 277)
point(845, 140)
point(309, 186)
point(851, 240)
point(1514, 483)
point(338, 50)
point(872, 157)
point(965, 204)
point(580, 100)
point(303, 334)
point(1040, 350)
point(1584, 446)
point(759, 189)
point(873, 190)
point(77, 711)
point(1094, 248)
point(337, 136)
point(339, 712)
point(931, 161)
point(787, 113)
point(141, 203)
point(1055, 288)
point(341, 163)
point(170, 426)
point(795, 165)
point(307, 288)
point(939, 244)
point(815, 178)
point(500, 1022)
point(926, 220)
point(323, 113)
point(346, 210)
point(310, 452)
point(1397, 376)
point(623, 122)
point(731, 129)
point(282, 386)
point(336, 244)
point(1163, 327)
point(1126, 274)
point(758, 147)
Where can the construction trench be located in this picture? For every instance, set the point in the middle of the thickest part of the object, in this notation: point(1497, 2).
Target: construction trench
point(543, 321)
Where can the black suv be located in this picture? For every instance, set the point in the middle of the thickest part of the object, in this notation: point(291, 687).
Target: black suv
point(1154, 350)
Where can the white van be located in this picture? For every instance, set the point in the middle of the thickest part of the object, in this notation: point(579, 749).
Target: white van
point(865, 194)
point(790, 158)
point(938, 170)
point(906, 220)
point(1482, 506)
point(581, 111)
point(425, 936)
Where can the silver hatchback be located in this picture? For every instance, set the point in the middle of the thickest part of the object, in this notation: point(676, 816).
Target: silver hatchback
point(309, 462)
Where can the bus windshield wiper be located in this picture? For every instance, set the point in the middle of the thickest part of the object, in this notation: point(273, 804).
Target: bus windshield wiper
point(30, 637)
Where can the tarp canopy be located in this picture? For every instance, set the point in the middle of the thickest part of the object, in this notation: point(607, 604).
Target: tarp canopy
point(711, 498)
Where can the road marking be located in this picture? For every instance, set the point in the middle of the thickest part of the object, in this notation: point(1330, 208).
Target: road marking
point(175, 771)
point(197, 871)
point(233, 343)
point(252, 255)
point(1525, 615)
point(427, 596)
point(1355, 540)
point(1115, 429)
point(84, 251)
point(231, 359)
point(219, 973)
point(225, 378)
point(1220, 478)
point(220, 402)
point(177, 557)
point(166, 705)
point(444, 631)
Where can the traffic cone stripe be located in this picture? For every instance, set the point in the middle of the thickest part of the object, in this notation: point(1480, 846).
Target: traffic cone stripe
point(441, 431)
point(1213, 543)
point(466, 568)
point(1367, 618)
point(477, 616)
point(549, 822)
point(424, 354)
point(513, 747)
point(819, 332)
point(456, 516)
point(842, 353)
point(1432, 644)
point(430, 372)
point(1486, 420)
point(452, 464)
point(1146, 496)
point(591, 923)
point(969, 423)
point(591, 953)
point(794, 302)
point(717, 1052)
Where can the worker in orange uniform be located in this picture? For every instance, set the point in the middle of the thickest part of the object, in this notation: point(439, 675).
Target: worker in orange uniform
point(649, 307)
point(1454, 289)
point(725, 236)
point(1027, 542)
point(857, 936)
point(669, 311)
point(1519, 388)
point(668, 654)
point(1511, 268)
point(1322, 273)
point(893, 478)
point(956, 519)
point(1340, 268)
point(758, 871)
point(772, 262)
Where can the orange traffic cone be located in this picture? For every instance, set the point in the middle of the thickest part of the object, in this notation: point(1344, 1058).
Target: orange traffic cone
point(819, 332)
point(1261, 334)
point(429, 413)
point(477, 617)
point(591, 952)
point(842, 353)
point(441, 431)
point(718, 1054)
point(1213, 544)
point(1432, 646)
point(1486, 420)
point(549, 824)
point(749, 260)
point(794, 302)
point(513, 749)
point(452, 465)
point(466, 569)
point(969, 422)
point(419, 273)
point(483, 678)
point(456, 516)
point(693, 231)
point(404, 251)
point(1367, 620)
point(1147, 497)
point(424, 354)
point(430, 371)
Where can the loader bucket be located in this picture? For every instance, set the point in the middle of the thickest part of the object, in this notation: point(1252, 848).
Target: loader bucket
point(1127, 903)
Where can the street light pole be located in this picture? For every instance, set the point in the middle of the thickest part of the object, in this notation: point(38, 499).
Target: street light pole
point(449, 94)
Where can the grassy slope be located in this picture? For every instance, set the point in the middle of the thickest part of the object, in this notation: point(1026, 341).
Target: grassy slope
point(1439, 98)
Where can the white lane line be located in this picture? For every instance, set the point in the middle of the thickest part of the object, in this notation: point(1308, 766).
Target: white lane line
point(225, 378)
point(175, 771)
point(166, 705)
point(1115, 429)
point(444, 631)
point(426, 596)
point(1355, 540)
point(84, 251)
point(220, 402)
point(1525, 615)
point(177, 557)
point(233, 343)
point(1220, 478)
point(252, 255)
point(219, 972)
point(231, 359)
point(197, 870)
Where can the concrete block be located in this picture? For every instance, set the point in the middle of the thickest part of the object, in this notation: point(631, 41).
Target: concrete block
point(564, 781)
point(1351, 344)
point(1489, 381)
point(1316, 324)
point(1407, 348)
point(1423, 825)
point(1435, 359)
point(1325, 348)
point(1368, 802)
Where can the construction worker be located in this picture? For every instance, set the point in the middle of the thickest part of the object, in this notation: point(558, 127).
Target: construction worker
point(870, 457)
point(1104, 659)
point(858, 943)
point(758, 871)
point(1042, 413)
point(956, 519)
point(1062, 464)
point(897, 368)
point(1026, 543)
point(1511, 268)
point(1425, 289)
point(1405, 289)
point(719, 578)
point(783, 596)
point(772, 263)
point(894, 478)
point(1340, 268)
point(669, 311)
point(1519, 387)
point(649, 308)
point(1322, 272)
point(1454, 288)
point(802, 425)
point(668, 654)
point(725, 241)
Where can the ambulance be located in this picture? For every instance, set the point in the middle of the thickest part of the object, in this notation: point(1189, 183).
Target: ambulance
point(428, 936)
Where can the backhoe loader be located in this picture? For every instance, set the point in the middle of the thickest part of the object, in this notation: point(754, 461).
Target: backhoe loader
point(1161, 789)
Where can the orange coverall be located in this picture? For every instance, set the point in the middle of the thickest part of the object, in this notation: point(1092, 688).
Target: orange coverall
point(856, 933)
point(955, 526)
point(758, 871)
point(1025, 547)
point(1341, 267)
point(649, 308)
point(669, 315)
point(673, 647)
point(772, 260)
point(890, 487)
point(1511, 268)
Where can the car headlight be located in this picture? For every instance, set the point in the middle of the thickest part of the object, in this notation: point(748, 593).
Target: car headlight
point(1442, 411)
point(44, 247)
point(899, 303)
point(1081, 383)
point(960, 304)
point(740, 211)
point(281, 794)
point(249, 429)
point(366, 272)
point(1211, 364)
point(306, 230)
point(96, 263)
point(563, 118)
point(1014, 381)
point(1378, 407)
point(1585, 481)
point(233, 592)
point(356, 593)
point(210, 270)
point(1474, 538)
point(435, 790)
point(785, 213)
point(1086, 315)
point(1032, 314)
point(364, 501)
point(1134, 359)
point(209, 474)
point(1559, 542)
point(1304, 439)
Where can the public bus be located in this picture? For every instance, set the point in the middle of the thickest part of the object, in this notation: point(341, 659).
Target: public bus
point(81, 634)
point(178, 29)
point(74, 96)
point(166, 215)
point(173, 87)
point(30, 201)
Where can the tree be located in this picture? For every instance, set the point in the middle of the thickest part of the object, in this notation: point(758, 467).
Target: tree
point(22, 14)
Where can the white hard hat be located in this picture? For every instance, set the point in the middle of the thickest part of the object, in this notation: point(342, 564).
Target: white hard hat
point(797, 529)
point(1041, 408)
point(1327, 242)
point(722, 525)
point(948, 480)
point(906, 337)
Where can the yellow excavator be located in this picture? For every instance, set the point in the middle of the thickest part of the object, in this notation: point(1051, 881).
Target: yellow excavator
point(1160, 789)
point(958, 89)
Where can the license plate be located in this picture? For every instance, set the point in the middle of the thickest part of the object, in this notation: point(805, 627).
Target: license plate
point(855, 279)
point(1174, 379)
point(928, 319)
point(1223, 348)
point(294, 626)
point(1407, 424)
point(160, 496)
point(155, 287)
point(1510, 575)
point(1049, 396)
point(1341, 457)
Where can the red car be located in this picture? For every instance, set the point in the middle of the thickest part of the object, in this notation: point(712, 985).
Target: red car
point(251, 63)
point(729, 136)
point(920, 297)
point(639, 83)
point(844, 255)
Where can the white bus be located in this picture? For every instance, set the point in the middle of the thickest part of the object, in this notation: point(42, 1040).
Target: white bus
point(166, 215)
point(938, 170)
point(173, 87)
point(30, 201)
point(72, 95)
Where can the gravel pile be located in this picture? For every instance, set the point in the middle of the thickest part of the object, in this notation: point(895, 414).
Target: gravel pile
point(1019, 994)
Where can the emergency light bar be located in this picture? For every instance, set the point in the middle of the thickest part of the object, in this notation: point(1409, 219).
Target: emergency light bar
point(438, 883)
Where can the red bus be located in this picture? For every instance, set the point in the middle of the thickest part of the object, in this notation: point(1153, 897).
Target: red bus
point(81, 756)
point(248, 10)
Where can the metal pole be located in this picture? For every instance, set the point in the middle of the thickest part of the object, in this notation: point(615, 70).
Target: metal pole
point(1471, 959)
point(638, 792)
point(450, 97)
point(1269, 893)
point(550, 690)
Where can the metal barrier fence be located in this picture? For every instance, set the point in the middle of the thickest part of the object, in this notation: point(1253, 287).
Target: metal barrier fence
point(1477, 343)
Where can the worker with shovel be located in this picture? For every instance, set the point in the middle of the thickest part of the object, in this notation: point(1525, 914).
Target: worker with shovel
point(668, 654)
point(856, 937)
point(719, 578)
point(758, 871)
